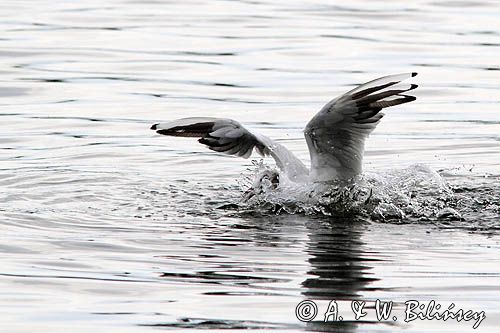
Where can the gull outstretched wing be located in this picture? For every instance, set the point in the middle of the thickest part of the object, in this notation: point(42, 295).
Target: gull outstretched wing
point(230, 137)
point(336, 135)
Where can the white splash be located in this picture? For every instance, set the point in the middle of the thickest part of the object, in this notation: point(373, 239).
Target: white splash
point(413, 192)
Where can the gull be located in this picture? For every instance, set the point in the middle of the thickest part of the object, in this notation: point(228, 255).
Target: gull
point(335, 136)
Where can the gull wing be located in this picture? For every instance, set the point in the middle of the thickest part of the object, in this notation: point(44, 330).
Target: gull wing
point(230, 137)
point(336, 135)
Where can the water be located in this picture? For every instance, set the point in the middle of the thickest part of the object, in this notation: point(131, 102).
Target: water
point(108, 227)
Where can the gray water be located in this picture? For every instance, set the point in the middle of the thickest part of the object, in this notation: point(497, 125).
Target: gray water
point(107, 227)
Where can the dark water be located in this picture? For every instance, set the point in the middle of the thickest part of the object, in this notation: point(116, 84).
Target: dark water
point(108, 227)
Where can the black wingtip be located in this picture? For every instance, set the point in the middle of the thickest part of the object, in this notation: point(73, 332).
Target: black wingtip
point(408, 98)
point(154, 127)
point(165, 132)
point(414, 74)
point(413, 86)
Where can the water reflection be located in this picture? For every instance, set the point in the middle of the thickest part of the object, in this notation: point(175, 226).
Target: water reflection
point(340, 267)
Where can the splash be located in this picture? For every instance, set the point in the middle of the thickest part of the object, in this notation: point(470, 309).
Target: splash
point(415, 193)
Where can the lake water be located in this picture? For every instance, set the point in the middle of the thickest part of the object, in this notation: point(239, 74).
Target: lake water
point(107, 227)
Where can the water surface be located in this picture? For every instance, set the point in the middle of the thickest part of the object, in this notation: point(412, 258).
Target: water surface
point(108, 227)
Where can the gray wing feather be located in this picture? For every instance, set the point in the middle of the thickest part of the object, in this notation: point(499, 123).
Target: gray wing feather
point(336, 135)
point(230, 137)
